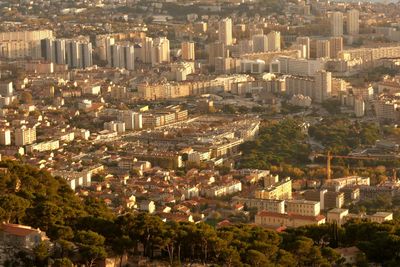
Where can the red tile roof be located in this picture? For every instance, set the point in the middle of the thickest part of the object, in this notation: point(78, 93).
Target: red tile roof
point(17, 229)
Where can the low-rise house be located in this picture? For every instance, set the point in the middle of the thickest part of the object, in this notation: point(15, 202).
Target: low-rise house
point(341, 216)
point(21, 236)
point(147, 205)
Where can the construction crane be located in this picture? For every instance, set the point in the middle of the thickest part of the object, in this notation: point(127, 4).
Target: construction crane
point(329, 157)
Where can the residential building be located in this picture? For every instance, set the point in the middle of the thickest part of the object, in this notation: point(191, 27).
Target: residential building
point(78, 54)
point(148, 206)
point(160, 52)
point(303, 207)
point(22, 44)
point(5, 137)
point(335, 46)
point(323, 86)
point(21, 237)
point(121, 56)
point(272, 205)
point(305, 41)
point(24, 136)
point(337, 215)
point(359, 107)
point(133, 120)
point(353, 22)
point(274, 41)
point(223, 189)
point(260, 43)
point(280, 190)
point(43, 146)
point(341, 216)
point(188, 51)
point(322, 49)
point(277, 220)
point(327, 199)
point(336, 20)
point(225, 31)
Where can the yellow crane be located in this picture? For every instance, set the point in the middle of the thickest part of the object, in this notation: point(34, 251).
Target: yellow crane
point(329, 157)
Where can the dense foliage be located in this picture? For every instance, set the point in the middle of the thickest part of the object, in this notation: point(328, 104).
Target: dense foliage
point(83, 231)
point(340, 136)
point(277, 143)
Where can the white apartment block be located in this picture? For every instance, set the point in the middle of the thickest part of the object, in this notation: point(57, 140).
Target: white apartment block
point(43, 146)
point(24, 136)
point(303, 207)
point(225, 31)
point(5, 137)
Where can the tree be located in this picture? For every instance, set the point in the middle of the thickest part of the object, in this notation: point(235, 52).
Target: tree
point(41, 253)
point(45, 215)
point(14, 207)
point(256, 258)
point(121, 245)
point(26, 98)
point(64, 262)
point(143, 228)
point(91, 246)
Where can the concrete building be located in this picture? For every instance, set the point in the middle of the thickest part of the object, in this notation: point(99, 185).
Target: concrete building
point(260, 43)
point(245, 47)
point(78, 54)
point(306, 42)
point(148, 206)
point(43, 146)
point(215, 50)
point(5, 137)
point(341, 216)
point(160, 52)
point(53, 50)
point(188, 51)
point(225, 31)
point(121, 56)
point(323, 86)
point(336, 20)
point(327, 199)
point(370, 55)
point(337, 215)
point(22, 44)
point(303, 207)
point(353, 22)
point(277, 220)
point(296, 66)
point(280, 190)
point(6, 89)
point(359, 107)
point(222, 190)
point(272, 205)
point(75, 179)
point(335, 46)
point(387, 110)
point(115, 126)
point(146, 51)
point(322, 49)
point(132, 120)
point(274, 41)
point(24, 136)
point(338, 183)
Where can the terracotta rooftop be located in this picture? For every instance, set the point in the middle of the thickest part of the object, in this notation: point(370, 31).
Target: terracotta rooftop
point(17, 229)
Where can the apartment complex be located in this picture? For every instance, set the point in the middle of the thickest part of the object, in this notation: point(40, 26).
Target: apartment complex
point(279, 190)
point(24, 136)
